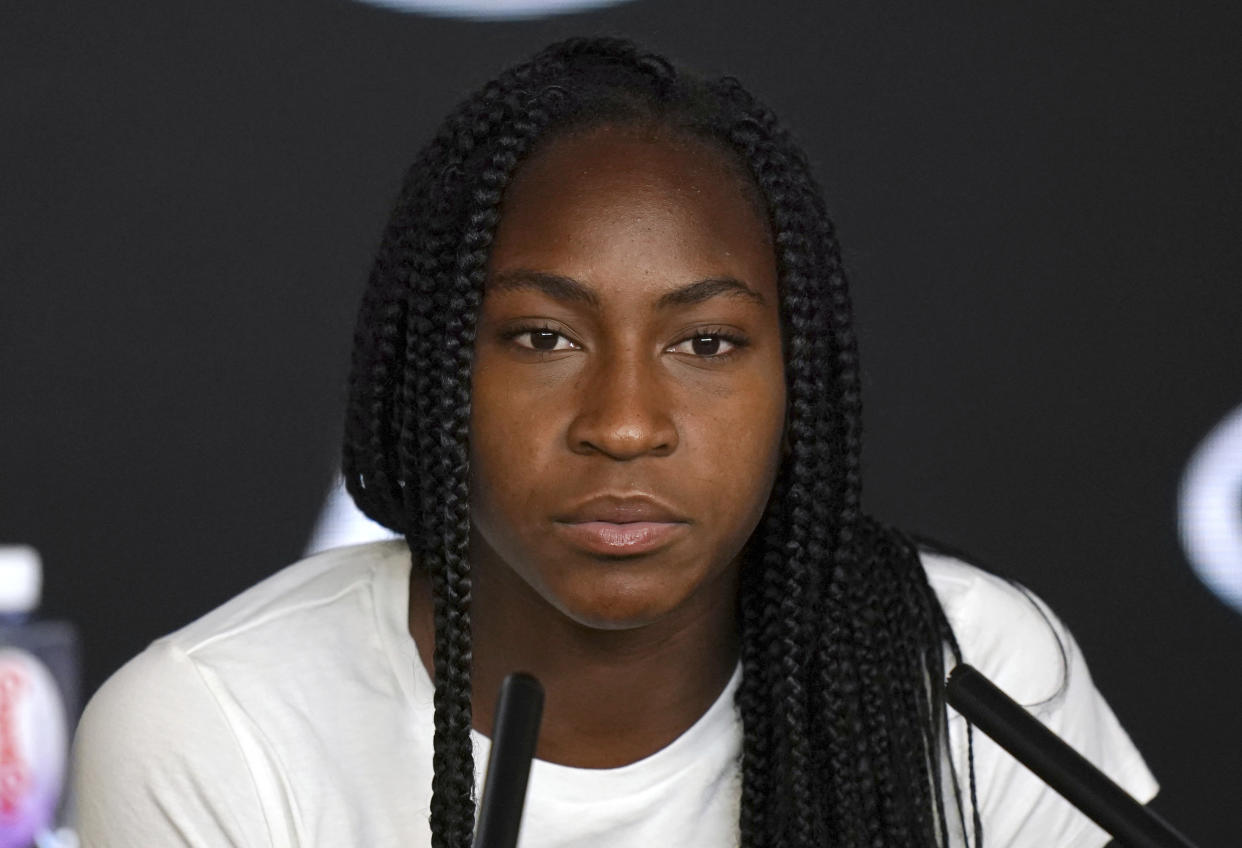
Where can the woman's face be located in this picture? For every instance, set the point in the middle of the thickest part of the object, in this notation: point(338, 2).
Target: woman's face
point(628, 390)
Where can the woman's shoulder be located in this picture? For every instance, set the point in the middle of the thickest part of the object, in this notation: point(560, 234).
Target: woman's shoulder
point(318, 599)
point(1003, 628)
point(174, 731)
point(319, 580)
point(1010, 635)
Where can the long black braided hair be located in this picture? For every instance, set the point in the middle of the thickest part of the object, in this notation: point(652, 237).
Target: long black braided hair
point(842, 639)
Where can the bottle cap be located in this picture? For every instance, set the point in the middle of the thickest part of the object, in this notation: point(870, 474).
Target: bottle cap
point(21, 578)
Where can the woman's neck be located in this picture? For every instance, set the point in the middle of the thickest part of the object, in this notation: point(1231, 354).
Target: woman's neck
point(613, 697)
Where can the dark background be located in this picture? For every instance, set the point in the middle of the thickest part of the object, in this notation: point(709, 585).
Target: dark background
point(1040, 206)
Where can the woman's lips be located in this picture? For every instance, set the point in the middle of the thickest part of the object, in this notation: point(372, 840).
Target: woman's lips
point(630, 538)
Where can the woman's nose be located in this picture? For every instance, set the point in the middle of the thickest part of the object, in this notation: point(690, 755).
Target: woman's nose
point(624, 411)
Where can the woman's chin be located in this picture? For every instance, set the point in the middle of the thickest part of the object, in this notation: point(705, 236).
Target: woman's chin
point(629, 600)
point(619, 609)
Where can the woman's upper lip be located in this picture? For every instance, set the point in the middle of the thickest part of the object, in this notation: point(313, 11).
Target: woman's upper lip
point(621, 509)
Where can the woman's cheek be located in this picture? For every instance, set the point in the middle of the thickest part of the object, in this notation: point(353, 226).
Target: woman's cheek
point(512, 451)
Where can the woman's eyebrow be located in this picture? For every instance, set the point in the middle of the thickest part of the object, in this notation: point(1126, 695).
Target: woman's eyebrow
point(553, 285)
point(707, 289)
point(568, 289)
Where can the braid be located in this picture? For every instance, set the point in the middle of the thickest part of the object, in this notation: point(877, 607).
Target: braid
point(752, 692)
point(842, 638)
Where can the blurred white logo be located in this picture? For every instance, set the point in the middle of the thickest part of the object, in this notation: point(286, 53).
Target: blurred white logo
point(342, 523)
point(493, 10)
point(1210, 510)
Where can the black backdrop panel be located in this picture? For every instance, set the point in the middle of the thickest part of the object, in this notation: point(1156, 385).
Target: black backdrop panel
point(1040, 208)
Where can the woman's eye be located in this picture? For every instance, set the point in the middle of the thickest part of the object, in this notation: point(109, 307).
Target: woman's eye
point(705, 345)
point(543, 340)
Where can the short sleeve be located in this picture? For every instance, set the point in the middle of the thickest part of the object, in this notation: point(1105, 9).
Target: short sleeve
point(155, 763)
point(1015, 640)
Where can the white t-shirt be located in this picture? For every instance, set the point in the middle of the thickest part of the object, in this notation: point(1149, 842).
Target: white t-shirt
point(298, 714)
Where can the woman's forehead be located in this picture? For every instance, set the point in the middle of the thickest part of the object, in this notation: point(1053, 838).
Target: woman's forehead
point(624, 199)
point(610, 155)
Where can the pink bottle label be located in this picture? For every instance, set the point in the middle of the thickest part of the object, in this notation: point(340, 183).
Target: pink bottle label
point(33, 747)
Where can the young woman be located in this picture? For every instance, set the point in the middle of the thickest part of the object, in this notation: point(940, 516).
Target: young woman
point(605, 385)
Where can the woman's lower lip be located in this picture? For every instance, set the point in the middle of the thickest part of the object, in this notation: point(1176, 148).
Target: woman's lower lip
point(636, 537)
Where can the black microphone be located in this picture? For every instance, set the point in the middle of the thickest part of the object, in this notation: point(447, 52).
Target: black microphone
point(984, 705)
point(519, 710)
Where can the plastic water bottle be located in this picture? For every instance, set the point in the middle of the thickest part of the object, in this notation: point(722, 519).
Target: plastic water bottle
point(38, 702)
